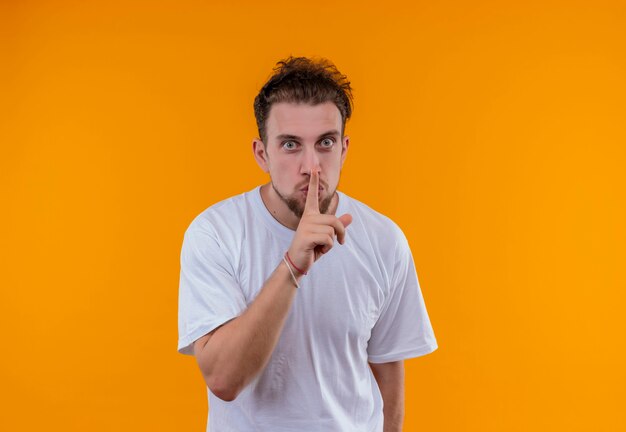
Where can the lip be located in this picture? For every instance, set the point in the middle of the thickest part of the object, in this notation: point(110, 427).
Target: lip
point(306, 190)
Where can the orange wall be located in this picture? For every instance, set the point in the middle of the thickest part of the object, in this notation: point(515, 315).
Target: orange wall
point(492, 133)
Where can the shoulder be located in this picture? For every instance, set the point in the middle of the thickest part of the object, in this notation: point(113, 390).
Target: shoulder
point(218, 232)
point(223, 224)
point(220, 213)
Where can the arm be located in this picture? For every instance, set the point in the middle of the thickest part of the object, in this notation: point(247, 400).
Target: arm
point(390, 379)
point(232, 355)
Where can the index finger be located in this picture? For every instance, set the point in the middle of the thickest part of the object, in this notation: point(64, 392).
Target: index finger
point(312, 196)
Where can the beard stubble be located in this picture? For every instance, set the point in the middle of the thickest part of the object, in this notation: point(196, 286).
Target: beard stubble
point(298, 209)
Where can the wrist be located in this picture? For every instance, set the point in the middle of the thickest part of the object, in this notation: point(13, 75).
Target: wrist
point(298, 270)
point(292, 275)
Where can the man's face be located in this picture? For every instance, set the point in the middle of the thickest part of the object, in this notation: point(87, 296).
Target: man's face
point(301, 138)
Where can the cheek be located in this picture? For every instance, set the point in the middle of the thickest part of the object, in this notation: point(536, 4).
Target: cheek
point(333, 166)
point(281, 170)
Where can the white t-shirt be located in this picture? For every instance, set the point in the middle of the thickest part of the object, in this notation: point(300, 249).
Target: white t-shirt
point(361, 302)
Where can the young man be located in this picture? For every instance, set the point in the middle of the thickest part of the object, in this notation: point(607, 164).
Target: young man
point(298, 302)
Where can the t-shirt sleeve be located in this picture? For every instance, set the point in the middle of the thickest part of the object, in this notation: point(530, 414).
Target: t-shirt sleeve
point(209, 294)
point(403, 329)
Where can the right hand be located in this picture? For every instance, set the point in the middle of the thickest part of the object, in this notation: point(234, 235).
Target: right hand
point(316, 232)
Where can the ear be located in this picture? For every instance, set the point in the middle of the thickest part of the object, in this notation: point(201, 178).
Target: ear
point(345, 143)
point(260, 155)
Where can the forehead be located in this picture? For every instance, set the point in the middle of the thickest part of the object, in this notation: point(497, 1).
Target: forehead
point(302, 119)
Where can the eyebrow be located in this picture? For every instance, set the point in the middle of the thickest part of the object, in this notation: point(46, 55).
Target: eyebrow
point(333, 132)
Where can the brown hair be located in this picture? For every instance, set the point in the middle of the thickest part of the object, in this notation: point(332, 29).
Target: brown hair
point(303, 80)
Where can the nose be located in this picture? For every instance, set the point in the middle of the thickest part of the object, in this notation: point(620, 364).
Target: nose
point(310, 161)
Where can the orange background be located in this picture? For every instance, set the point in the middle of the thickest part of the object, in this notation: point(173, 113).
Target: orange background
point(492, 133)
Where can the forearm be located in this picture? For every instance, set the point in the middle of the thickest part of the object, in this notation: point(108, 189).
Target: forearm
point(390, 379)
point(239, 350)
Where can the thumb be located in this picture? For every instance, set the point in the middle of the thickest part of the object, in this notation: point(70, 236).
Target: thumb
point(346, 219)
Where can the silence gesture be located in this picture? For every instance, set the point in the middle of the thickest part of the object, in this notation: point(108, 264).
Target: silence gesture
point(316, 232)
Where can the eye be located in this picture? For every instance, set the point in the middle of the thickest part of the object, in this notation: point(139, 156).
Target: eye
point(327, 142)
point(289, 145)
